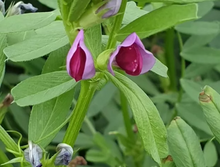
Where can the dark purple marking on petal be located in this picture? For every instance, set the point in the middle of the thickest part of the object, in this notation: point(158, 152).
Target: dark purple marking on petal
point(130, 60)
point(77, 64)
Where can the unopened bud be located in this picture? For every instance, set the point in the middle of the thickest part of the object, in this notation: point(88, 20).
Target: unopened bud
point(65, 154)
point(33, 154)
point(20, 8)
point(99, 12)
point(112, 7)
point(2, 7)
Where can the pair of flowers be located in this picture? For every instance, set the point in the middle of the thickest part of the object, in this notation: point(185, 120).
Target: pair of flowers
point(131, 56)
point(33, 154)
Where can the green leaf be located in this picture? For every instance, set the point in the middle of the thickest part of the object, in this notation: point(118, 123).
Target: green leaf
point(1, 17)
point(197, 41)
point(3, 44)
point(160, 69)
point(210, 154)
point(173, 1)
point(41, 88)
point(12, 161)
point(56, 60)
point(108, 151)
point(209, 101)
point(95, 106)
point(132, 12)
point(46, 119)
point(50, 3)
point(147, 85)
point(199, 28)
point(159, 20)
point(16, 37)
point(93, 40)
point(149, 123)
point(202, 55)
point(47, 40)
point(8, 141)
point(205, 7)
point(96, 156)
point(192, 113)
point(189, 152)
point(20, 114)
point(26, 22)
point(77, 8)
point(194, 70)
point(4, 159)
point(55, 108)
point(191, 88)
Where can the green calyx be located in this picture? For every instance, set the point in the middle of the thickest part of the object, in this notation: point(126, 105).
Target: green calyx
point(91, 17)
point(103, 58)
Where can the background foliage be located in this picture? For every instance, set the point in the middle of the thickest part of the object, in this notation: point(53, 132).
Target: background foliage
point(190, 50)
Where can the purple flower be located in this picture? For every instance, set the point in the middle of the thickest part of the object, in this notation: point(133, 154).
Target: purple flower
point(33, 154)
point(20, 8)
point(65, 154)
point(2, 7)
point(79, 63)
point(112, 7)
point(132, 57)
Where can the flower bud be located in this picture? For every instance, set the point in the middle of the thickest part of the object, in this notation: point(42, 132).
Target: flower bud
point(2, 7)
point(65, 154)
point(20, 8)
point(132, 57)
point(33, 154)
point(112, 7)
point(79, 63)
point(99, 12)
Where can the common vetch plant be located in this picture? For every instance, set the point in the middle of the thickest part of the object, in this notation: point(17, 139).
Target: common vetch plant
point(99, 49)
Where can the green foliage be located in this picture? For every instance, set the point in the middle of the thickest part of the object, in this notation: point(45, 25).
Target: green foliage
point(46, 87)
point(149, 124)
point(129, 130)
point(46, 40)
point(159, 20)
point(26, 22)
point(189, 152)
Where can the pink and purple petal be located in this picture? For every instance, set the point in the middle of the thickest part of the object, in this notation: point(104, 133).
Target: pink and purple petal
point(132, 57)
point(79, 62)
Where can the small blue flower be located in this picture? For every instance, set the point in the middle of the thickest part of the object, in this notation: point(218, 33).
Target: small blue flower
point(20, 8)
point(2, 7)
point(33, 154)
point(65, 154)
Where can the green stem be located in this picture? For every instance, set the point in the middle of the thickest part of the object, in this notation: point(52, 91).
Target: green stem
point(69, 27)
point(127, 121)
point(183, 65)
point(117, 25)
point(170, 58)
point(87, 121)
point(86, 94)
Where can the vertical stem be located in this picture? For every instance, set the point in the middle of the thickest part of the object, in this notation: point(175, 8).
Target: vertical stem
point(183, 65)
point(86, 94)
point(126, 117)
point(117, 24)
point(69, 27)
point(170, 58)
